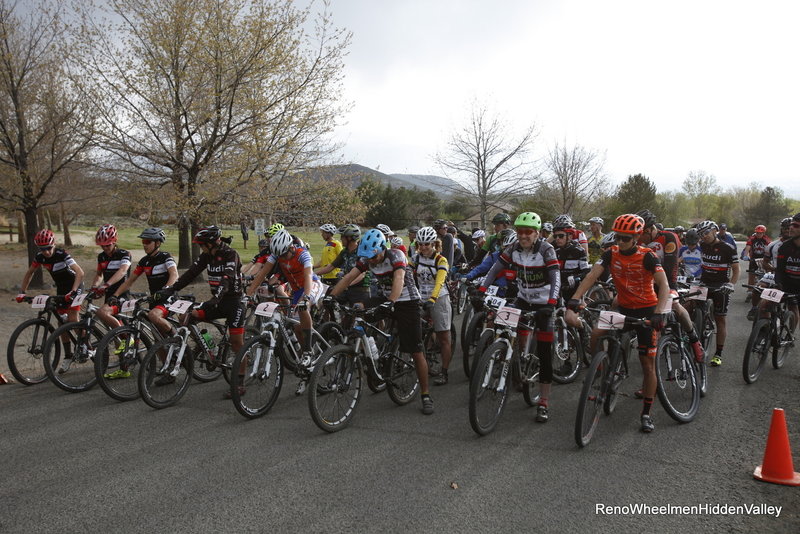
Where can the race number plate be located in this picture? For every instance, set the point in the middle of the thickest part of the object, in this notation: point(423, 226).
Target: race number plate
point(39, 301)
point(495, 302)
point(681, 279)
point(773, 295)
point(77, 301)
point(610, 320)
point(266, 309)
point(180, 306)
point(703, 295)
point(508, 316)
point(128, 306)
point(492, 290)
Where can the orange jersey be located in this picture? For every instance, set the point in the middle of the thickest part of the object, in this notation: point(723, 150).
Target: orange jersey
point(633, 275)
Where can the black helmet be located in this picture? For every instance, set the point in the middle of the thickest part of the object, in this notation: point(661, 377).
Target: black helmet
point(439, 223)
point(648, 217)
point(691, 237)
point(679, 229)
point(413, 229)
point(209, 234)
point(263, 243)
point(786, 222)
point(501, 218)
point(154, 234)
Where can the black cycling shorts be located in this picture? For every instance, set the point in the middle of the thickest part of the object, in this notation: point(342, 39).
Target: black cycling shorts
point(231, 308)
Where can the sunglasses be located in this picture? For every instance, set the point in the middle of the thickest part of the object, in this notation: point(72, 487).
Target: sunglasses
point(525, 231)
point(45, 249)
point(559, 236)
point(795, 225)
point(623, 238)
point(147, 241)
point(424, 244)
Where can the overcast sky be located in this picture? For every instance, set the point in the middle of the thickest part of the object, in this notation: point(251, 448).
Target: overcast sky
point(665, 88)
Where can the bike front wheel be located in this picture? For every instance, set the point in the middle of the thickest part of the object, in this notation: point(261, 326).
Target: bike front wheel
point(401, 380)
point(75, 374)
point(785, 340)
point(26, 350)
point(488, 388)
point(567, 354)
point(335, 388)
point(756, 350)
point(591, 399)
point(677, 390)
point(471, 341)
point(116, 363)
point(161, 381)
point(256, 378)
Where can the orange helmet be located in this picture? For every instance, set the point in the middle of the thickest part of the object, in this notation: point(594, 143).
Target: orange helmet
point(761, 228)
point(44, 238)
point(106, 235)
point(628, 223)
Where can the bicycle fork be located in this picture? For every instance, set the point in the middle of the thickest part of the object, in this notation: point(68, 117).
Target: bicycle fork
point(487, 377)
point(183, 332)
point(264, 372)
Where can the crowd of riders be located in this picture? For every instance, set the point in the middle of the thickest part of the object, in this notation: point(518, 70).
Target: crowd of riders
point(537, 266)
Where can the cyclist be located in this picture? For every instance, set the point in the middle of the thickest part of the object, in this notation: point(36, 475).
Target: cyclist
point(636, 271)
point(386, 231)
point(258, 260)
point(508, 237)
point(501, 221)
point(412, 236)
point(330, 251)
point(399, 297)
point(565, 221)
point(547, 230)
point(113, 264)
point(478, 238)
point(448, 243)
point(430, 271)
point(754, 250)
point(725, 236)
point(222, 266)
point(538, 285)
point(679, 231)
point(573, 266)
point(458, 249)
point(720, 271)
point(67, 276)
point(358, 291)
point(689, 255)
point(596, 229)
point(771, 253)
point(397, 242)
point(160, 270)
point(787, 271)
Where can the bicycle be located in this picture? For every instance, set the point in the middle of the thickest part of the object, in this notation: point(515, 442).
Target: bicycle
point(488, 389)
point(433, 353)
point(609, 367)
point(480, 334)
point(568, 350)
point(171, 362)
point(775, 332)
point(261, 361)
point(336, 385)
point(25, 352)
point(75, 374)
point(457, 291)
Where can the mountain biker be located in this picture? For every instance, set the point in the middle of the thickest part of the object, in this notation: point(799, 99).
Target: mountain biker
point(596, 237)
point(330, 250)
point(358, 291)
point(689, 254)
point(113, 264)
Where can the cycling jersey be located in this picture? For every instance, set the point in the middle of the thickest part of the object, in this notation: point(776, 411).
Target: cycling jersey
point(330, 252)
point(431, 274)
point(572, 264)
point(758, 245)
point(787, 272)
point(262, 256)
point(536, 272)
point(717, 259)
point(108, 266)
point(665, 246)
point(156, 269)
point(692, 260)
point(771, 252)
point(595, 250)
point(346, 261)
point(222, 269)
point(59, 266)
point(633, 272)
point(577, 235)
point(393, 260)
point(292, 268)
point(502, 280)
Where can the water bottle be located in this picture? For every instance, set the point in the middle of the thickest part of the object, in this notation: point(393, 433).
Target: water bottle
point(294, 340)
point(209, 341)
point(373, 348)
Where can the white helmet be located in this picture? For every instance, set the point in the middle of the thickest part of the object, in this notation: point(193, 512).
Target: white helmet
point(385, 230)
point(705, 226)
point(597, 220)
point(329, 228)
point(397, 241)
point(608, 240)
point(426, 234)
point(477, 234)
point(280, 242)
point(510, 238)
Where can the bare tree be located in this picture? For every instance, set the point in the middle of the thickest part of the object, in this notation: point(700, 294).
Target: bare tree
point(46, 126)
point(484, 158)
point(700, 187)
point(575, 176)
point(204, 97)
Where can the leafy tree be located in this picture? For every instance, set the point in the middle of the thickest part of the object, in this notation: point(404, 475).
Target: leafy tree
point(700, 188)
point(771, 206)
point(636, 193)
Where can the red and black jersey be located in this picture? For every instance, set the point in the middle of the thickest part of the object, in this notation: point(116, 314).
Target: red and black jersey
point(633, 273)
point(222, 269)
point(758, 245)
point(666, 246)
point(393, 260)
point(156, 268)
point(108, 265)
point(59, 265)
point(717, 259)
point(787, 272)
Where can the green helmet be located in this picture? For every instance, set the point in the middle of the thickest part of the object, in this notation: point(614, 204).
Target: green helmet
point(272, 230)
point(528, 219)
point(501, 218)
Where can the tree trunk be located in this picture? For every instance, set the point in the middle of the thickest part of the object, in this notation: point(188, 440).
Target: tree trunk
point(184, 244)
point(30, 225)
point(65, 224)
point(21, 229)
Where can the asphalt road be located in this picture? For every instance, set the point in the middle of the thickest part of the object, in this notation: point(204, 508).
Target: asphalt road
point(85, 463)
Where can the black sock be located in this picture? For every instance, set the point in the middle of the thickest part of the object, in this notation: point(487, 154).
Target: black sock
point(646, 405)
point(307, 340)
point(719, 351)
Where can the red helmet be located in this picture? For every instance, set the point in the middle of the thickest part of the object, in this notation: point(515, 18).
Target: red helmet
point(761, 228)
point(628, 223)
point(44, 238)
point(106, 235)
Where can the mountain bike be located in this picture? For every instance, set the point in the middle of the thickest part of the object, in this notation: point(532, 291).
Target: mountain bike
point(25, 353)
point(433, 353)
point(608, 369)
point(479, 334)
point(489, 384)
point(773, 333)
point(678, 384)
point(370, 353)
point(568, 349)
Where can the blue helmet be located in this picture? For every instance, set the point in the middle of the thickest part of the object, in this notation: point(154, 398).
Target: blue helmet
point(371, 243)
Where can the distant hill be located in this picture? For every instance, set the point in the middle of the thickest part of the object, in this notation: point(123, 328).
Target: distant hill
point(357, 173)
point(429, 181)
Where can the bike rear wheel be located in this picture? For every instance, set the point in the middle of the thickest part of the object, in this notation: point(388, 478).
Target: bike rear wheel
point(335, 388)
point(618, 374)
point(79, 375)
point(401, 379)
point(591, 399)
point(756, 350)
point(120, 353)
point(26, 349)
point(471, 341)
point(207, 369)
point(488, 388)
point(161, 387)
point(433, 353)
point(785, 340)
point(677, 390)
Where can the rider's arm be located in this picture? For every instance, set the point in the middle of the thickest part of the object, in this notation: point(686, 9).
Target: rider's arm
point(664, 297)
point(260, 276)
point(441, 277)
point(307, 280)
point(192, 272)
point(79, 274)
point(127, 283)
point(591, 278)
point(734, 273)
point(398, 281)
point(346, 280)
point(503, 261)
point(120, 274)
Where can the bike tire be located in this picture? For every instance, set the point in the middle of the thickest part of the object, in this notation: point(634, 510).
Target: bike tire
point(80, 376)
point(755, 352)
point(333, 333)
point(469, 312)
point(262, 379)
point(708, 326)
point(528, 374)
point(204, 370)
point(433, 353)
point(488, 389)
point(785, 340)
point(401, 379)
point(472, 339)
point(567, 353)
point(591, 399)
point(162, 396)
point(462, 298)
point(678, 389)
point(618, 375)
point(335, 388)
point(25, 352)
point(106, 359)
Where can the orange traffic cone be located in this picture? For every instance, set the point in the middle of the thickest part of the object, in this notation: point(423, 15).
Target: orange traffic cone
point(777, 466)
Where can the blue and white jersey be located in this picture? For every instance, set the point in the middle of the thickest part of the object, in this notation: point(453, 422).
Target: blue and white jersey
point(692, 259)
